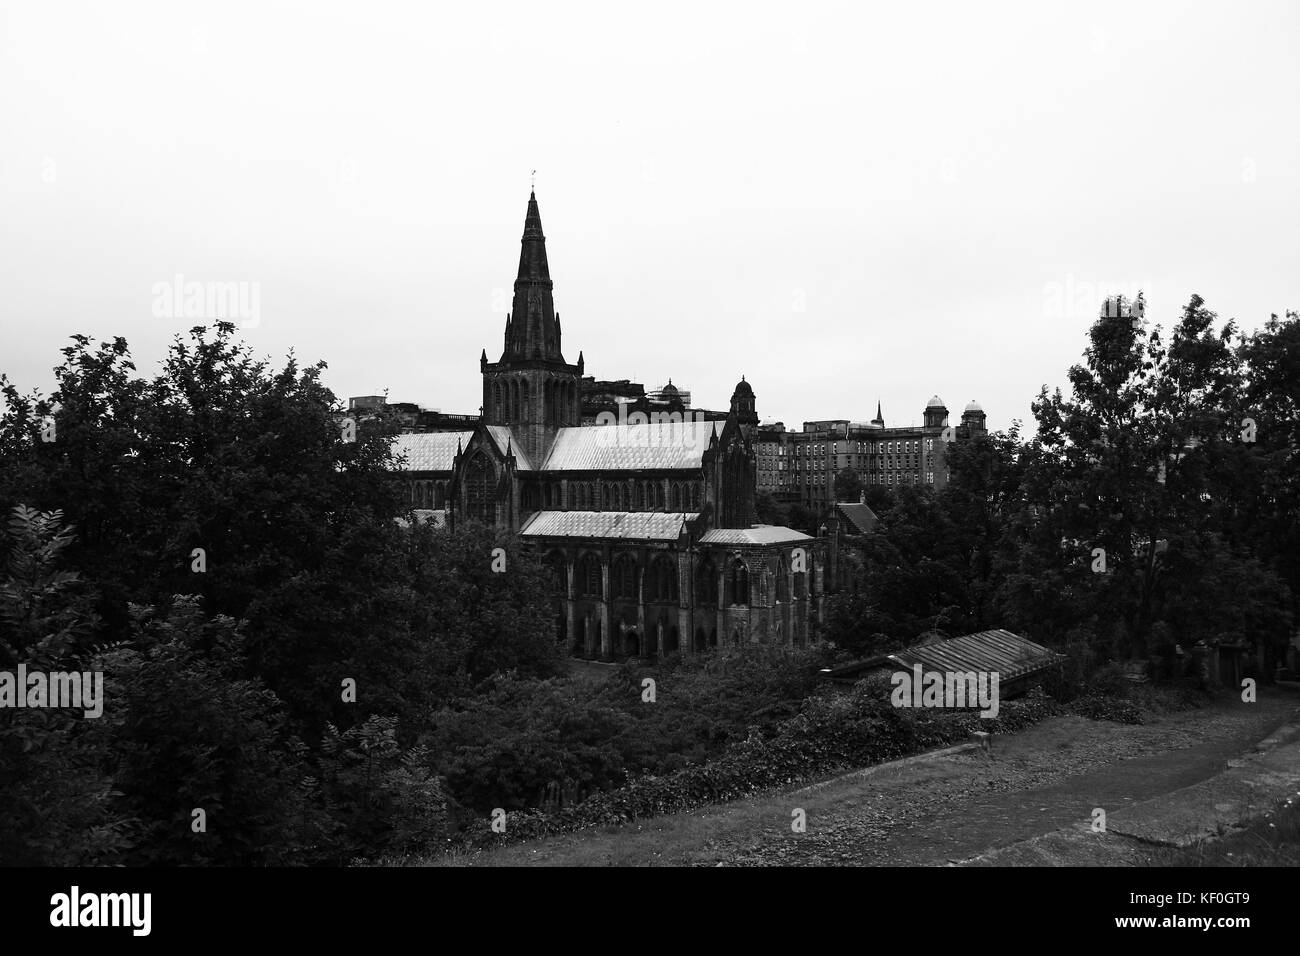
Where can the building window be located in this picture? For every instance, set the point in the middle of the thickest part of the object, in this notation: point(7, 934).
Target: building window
point(663, 579)
point(624, 578)
point(738, 582)
point(479, 491)
point(559, 573)
point(589, 576)
point(706, 582)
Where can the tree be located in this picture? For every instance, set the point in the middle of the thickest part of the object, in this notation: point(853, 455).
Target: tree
point(848, 485)
point(56, 791)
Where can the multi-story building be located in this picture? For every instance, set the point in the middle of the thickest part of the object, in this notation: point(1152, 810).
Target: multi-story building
point(881, 455)
point(770, 447)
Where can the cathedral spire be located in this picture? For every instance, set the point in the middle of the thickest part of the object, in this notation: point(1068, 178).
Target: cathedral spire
point(532, 331)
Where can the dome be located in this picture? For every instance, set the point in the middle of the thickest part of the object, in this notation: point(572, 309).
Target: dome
point(743, 388)
point(935, 402)
point(974, 406)
point(669, 389)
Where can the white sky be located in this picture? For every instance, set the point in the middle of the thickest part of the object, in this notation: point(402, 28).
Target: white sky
point(929, 181)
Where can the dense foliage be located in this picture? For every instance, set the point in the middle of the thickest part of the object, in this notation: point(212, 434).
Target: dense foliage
point(209, 540)
point(1157, 504)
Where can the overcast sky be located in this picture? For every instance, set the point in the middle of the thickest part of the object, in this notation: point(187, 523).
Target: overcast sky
point(842, 202)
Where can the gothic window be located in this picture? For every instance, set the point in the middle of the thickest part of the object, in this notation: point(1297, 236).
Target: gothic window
point(663, 580)
point(525, 398)
point(624, 578)
point(497, 410)
point(800, 585)
point(528, 498)
point(479, 492)
point(618, 497)
point(589, 576)
point(738, 582)
point(782, 584)
point(706, 582)
point(557, 569)
point(659, 496)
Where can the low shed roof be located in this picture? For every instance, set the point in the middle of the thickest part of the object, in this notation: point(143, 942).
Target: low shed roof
point(1008, 654)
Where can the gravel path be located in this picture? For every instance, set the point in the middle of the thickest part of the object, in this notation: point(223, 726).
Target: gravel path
point(1050, 776)
point(938, 810)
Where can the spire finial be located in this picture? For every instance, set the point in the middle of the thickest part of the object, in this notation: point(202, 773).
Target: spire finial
point(532, 185)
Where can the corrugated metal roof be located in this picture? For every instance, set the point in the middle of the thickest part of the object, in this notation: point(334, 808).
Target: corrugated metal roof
point(504, 439)
point(860, 516)
point(759, 534)
point(631, 447)
point(641, 525)
point(429, 451)
point(1010, 655)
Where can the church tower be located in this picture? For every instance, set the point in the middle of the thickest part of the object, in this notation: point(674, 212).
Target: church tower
point(531, 388)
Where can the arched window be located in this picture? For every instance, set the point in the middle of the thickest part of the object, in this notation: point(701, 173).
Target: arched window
point(479, 491)
point(497, 410)
point(618, 497)
point(589, 576)
point(558, 571)
point(525, 399)
point(659, 496)
point(738, 582)
point(623, 578)
point(528, 498)
point(706, 582)
point(675, 497)
point(663, 580)
point(782, 583)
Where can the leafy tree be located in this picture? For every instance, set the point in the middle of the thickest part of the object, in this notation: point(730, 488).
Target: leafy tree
point(56, 796)
point(848, 485)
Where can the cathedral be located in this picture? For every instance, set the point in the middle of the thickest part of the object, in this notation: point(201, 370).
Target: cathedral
point(645, 523)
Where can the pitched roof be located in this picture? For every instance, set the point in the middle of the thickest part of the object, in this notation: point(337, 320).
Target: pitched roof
point(504, 439)
point(429, 451)
point(639, 525)
point(759, 534)
point(859, 516)
point(1009, 655)
point(631, 447)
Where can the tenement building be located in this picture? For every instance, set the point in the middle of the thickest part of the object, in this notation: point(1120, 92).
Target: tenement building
point(644, 517)
point(881, 455)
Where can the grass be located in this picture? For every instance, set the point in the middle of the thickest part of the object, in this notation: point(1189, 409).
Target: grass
point(1272, 840)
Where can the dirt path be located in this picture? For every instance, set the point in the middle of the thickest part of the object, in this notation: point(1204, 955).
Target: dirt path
point(947, 809)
